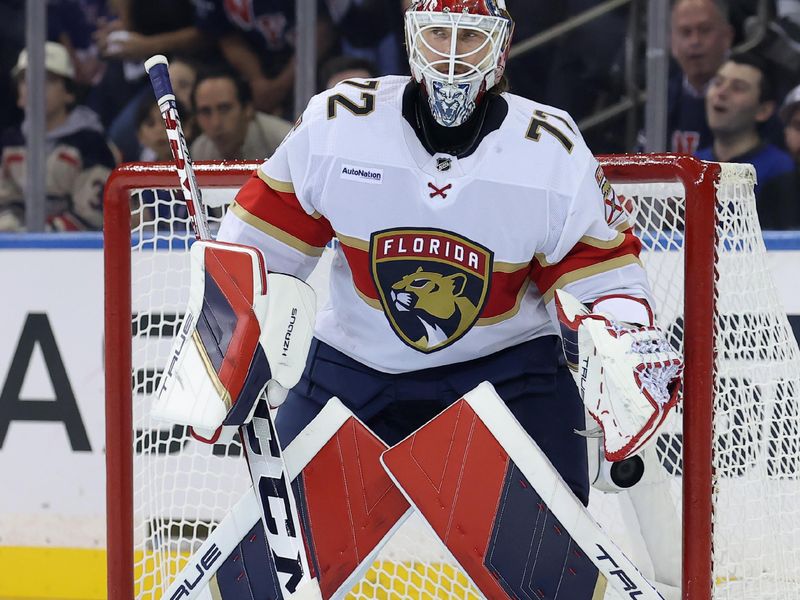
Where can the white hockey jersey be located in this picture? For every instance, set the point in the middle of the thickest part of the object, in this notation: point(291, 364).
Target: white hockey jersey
point(440, 259)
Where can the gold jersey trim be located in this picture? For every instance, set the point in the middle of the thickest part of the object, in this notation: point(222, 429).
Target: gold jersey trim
point(376, 304)
point(596, 269)
point(287, 187)
point(353, 242)
point(507, 267)
point(604, 244)
point(275, 232)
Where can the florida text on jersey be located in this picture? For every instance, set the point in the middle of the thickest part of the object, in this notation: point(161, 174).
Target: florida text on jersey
point(441, 259)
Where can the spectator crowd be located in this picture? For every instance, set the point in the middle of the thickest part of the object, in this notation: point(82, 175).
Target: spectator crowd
point(232, 68)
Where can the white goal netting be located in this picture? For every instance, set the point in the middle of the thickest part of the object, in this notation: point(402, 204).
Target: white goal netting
point(182, 488)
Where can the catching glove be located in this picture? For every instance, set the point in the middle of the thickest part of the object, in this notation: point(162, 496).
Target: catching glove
point(628, 375)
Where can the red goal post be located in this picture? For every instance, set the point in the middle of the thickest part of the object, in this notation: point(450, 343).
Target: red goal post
point(697, 214)
point(700, 239)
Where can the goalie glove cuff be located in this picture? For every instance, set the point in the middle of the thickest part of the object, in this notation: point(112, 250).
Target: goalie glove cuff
point(624, 309)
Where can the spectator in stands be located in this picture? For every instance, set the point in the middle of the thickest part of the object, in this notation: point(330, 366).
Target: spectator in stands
point(12, 40)
point(258, 39)
point(152, 133)
point(147, 27)
point(371, 30)
point(142, 28)
point(73, 23)
point(231, 128)
point(530, 74)
point(182, 75)
point(339, 68)
point(586, 58)
point(739, 98)
point(791, 123)
point(701, 39)
point(78, 156)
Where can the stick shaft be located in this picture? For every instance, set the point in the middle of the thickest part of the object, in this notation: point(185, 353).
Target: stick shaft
point(156, 67)
point(262, 449)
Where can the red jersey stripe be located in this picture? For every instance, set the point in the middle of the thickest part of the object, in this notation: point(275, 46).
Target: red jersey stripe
point(283, 211)
point(584, 260)
point(504, 293)
point(358, 260)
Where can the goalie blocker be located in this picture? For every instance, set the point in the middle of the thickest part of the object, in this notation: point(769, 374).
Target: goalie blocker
point(245, 331)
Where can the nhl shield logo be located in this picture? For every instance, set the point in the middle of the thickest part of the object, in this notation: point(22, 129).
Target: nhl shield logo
point(432, 284)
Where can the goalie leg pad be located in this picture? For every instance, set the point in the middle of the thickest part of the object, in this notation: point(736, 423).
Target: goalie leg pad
point(232, 563)
point(347, 503)
point(499, 506)
point(348, 507)
point(551, 415)
point(498, 529)
point(248, 572)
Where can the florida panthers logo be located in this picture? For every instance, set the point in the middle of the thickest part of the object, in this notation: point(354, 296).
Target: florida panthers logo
point(432, 284)
point(450, 103)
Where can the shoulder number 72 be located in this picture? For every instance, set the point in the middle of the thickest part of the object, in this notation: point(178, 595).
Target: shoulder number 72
point(541, 121)
point(360, 110)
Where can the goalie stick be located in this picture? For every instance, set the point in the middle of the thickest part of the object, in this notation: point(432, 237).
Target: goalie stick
point(259, 440)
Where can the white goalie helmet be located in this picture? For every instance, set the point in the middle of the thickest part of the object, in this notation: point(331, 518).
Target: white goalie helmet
point(457, 49)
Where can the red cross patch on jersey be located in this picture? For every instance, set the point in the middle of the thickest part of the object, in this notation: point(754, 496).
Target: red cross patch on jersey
point(432, 284)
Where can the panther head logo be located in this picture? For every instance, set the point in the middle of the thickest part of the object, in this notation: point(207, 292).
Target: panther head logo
point(450, 102)
point(432, 284)
point(437, 303)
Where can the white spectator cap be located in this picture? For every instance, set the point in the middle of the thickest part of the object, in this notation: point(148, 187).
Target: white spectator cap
point(790, 103)
point(56, 60)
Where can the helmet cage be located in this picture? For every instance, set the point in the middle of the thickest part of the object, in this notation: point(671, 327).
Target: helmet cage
point(453, 79)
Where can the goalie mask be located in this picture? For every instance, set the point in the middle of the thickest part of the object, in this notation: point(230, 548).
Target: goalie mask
point(457, 50)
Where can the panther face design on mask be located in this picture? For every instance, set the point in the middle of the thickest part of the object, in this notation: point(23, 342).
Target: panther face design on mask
point(450, 103)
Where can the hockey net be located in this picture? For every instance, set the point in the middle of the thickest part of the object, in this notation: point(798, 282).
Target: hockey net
point(727, 468)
